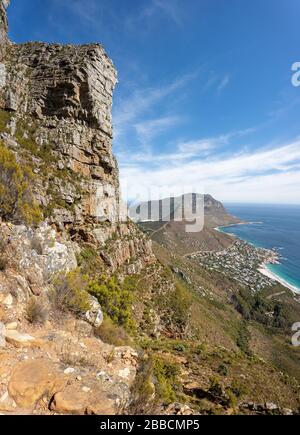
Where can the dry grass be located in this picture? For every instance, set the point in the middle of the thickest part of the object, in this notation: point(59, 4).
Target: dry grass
point(36, 311)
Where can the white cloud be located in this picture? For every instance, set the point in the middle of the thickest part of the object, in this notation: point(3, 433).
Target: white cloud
point(131, 109)
point(148, 129)
point(224, 82)
point(184, 150)
point(171, 9)
point(269, 175)
point(151, 9)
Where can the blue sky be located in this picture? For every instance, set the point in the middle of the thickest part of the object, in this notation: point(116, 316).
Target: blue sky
point(204, 100)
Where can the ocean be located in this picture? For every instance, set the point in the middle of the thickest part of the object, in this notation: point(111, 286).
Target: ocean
point(272, 226)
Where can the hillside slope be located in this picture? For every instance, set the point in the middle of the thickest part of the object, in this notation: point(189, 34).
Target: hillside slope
point(173, 235)
point(95, 318)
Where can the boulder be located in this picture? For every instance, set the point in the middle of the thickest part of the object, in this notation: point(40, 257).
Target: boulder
point(75, 399)
point(33, 380)
point(83, 328)
point(95, 315)
point(269, 406)
point(19, 339)
point(72, 400)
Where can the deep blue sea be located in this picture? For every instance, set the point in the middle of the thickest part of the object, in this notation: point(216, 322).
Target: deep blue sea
point(274, 227)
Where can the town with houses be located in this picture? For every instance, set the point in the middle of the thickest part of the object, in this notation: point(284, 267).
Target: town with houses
point(241, 262)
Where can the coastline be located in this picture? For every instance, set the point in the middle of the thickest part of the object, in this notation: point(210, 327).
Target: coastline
point(263, 268)
point(265, 271)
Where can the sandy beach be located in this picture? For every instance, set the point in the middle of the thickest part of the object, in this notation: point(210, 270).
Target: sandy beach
point(265, 271)
point(264, 266)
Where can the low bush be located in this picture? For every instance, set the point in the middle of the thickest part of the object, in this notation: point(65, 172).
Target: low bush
point(70, 292)
point(113, 334)
point(16, 199)
point(166, 375)
point(143, 390)
point(223, 370)
point(115, 300)
point(36, 311)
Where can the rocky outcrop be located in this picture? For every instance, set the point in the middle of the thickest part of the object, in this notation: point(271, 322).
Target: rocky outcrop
point(3, 26)
point(55, 113)
point(65, 95)
point(41, 380)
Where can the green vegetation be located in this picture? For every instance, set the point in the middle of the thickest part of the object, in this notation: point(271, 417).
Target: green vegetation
point(115, 299)
point(143, 389)
point(89, 261)
point(166, 375)
point(16, 199)
point(243, 339)
point(4, 119)
point(3, 259)
point(258, 308)
point(70, 292)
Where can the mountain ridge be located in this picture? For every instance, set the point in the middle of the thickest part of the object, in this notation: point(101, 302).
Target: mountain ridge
point(173, 234)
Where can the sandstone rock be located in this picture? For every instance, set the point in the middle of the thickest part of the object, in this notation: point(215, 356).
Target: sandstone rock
point(19, 339)
point(69, 371)
point(7, 404)
point(8, 300)
point(287, 411)
point(102, 406)
point(33, 380)
point(63, 95)
point(74, 400)
point(40, 255)
point(179, 409)
point(83, 328)
point(2, 335)
point(3, 25)
point(11, 326)
point(269, 406)
point(95, 314)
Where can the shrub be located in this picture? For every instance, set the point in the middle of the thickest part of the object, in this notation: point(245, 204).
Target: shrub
point(239, 389)
point(16, 199)
point(3, 259)
point(4, 119)
point(143, 390)
point(89, 261)
point(70, 292)
point(232, 400)
point(243, 339)
point(223, 370)
point(166, 375)
point(115, 301)
point(180, 347)
point(215, 388)
point(36, 311)
point(113, 334)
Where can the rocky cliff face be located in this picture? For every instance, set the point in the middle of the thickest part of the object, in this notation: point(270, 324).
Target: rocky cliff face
point(56, 146)
point(3, 23)
point(55, 113)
